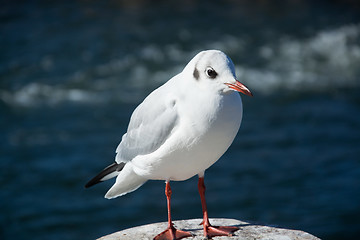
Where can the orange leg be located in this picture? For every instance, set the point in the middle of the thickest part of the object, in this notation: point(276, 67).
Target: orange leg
point(171, 233)
point(209, 230)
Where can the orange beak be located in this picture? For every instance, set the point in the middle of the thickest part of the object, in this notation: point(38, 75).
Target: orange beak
point(239, 87)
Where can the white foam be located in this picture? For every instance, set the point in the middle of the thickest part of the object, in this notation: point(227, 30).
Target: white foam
point(40, 94)
point(327, 60)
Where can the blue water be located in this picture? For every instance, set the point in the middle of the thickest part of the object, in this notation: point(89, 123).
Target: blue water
point(71, 73)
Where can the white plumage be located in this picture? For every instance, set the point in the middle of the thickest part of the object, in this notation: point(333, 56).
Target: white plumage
point(182, 127)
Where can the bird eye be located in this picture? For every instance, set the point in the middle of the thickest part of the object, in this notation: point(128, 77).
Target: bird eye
point(211, 73)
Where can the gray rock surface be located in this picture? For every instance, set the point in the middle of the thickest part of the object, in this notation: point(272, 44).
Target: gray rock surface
point(246, 232)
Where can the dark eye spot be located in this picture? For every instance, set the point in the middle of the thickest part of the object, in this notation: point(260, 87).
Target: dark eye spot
point(196, 74)
point(211, 73)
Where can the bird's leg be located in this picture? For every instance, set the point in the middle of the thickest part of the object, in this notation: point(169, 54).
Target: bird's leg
point(209, 230)
point(171, 233)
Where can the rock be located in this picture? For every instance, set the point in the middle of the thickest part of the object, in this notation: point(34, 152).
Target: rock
point(246, 231)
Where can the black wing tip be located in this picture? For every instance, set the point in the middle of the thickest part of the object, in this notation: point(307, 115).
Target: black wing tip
point(109, 169)
point(91, 183)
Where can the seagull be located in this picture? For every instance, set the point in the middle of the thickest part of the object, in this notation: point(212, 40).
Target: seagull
point(178, 131)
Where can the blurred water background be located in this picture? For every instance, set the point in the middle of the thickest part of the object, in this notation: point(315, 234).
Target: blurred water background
point(72, 72)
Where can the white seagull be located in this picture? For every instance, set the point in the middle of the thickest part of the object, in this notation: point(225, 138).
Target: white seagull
point(178, 131)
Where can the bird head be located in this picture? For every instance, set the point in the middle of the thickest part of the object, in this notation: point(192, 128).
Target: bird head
point(212, 68)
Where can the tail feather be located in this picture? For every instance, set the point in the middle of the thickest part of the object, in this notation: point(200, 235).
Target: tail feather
point(109, 172)
point(127, 181)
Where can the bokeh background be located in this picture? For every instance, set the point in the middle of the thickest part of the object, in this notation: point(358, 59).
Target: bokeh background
point(72, 72)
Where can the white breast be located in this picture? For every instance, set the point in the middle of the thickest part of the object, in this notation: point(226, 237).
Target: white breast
point(201, 138)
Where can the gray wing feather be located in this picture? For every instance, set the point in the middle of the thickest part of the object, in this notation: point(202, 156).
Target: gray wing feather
point(150, 126)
